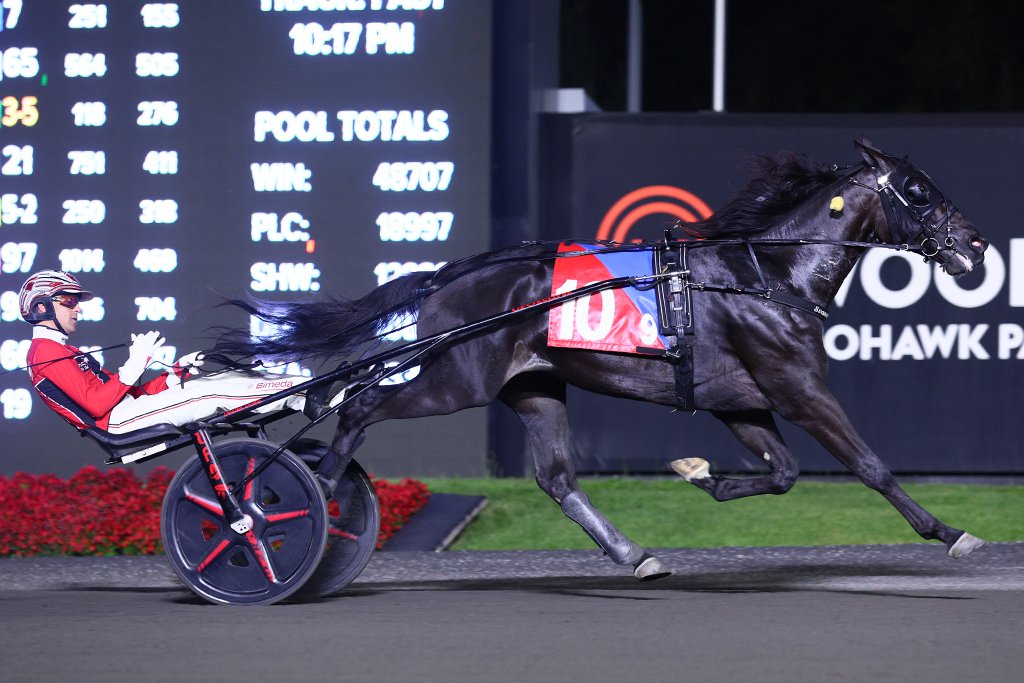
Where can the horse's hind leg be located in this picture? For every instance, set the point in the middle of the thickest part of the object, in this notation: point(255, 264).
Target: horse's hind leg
point(757, 431)
point(539, 400)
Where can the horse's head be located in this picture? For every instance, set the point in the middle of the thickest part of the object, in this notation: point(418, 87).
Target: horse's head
point(917, 213)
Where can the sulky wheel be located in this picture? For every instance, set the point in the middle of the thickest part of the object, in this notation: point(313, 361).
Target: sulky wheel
point(354, 525)
point(264, 565)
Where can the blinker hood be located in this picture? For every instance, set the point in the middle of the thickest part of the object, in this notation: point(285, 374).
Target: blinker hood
point(910, 198)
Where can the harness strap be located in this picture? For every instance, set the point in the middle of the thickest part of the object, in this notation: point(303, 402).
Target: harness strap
point(757, 265)
point(770, 294)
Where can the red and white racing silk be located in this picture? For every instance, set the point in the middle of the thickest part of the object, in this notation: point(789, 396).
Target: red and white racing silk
point(74, 384)
point(85, 394)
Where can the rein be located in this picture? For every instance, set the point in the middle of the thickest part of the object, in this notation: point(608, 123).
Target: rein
point(764, 291)
point(433, 285)
point(57, 360)
point(716, 242)
point(907, 196)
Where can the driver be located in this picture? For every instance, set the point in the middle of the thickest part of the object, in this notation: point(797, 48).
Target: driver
point(85, 394)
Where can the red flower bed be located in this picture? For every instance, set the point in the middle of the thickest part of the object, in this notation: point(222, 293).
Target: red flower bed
point(112, 512)
point(93, 513)
point(398, 503)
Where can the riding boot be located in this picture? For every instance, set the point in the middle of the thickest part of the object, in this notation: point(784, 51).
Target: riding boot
point(577, 507)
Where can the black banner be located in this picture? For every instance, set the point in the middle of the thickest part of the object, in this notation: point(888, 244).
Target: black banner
point(928, 367)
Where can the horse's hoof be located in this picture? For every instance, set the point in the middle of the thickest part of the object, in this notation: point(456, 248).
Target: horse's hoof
point(965, 545)
point(691, 468)
point(650, 569)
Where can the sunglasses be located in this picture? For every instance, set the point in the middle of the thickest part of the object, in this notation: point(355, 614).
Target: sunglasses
point(66, 300)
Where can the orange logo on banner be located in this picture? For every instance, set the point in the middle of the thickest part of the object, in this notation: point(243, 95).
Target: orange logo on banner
point(649, 200)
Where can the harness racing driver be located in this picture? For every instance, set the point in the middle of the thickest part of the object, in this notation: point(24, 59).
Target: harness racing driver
point(85, 394)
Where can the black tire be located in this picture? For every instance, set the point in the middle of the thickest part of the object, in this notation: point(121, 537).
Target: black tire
point(265, 565)
point(354, 525)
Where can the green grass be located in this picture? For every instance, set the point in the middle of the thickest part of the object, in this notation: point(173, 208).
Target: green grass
point(671, 513)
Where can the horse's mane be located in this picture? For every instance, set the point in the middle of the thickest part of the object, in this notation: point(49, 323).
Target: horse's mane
point(783, 181)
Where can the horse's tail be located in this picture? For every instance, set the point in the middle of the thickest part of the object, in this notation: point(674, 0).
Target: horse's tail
point(319, 329)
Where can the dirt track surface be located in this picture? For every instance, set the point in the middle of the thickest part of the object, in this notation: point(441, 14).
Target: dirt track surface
point(859, 613)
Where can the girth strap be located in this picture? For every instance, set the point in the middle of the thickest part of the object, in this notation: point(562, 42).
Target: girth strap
point(675, 309)
point(675, 317)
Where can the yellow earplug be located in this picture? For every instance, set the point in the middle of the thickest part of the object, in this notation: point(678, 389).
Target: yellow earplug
point(836, 204)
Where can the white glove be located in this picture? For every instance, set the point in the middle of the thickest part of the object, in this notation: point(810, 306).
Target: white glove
point(188, 364)
point(141, 352)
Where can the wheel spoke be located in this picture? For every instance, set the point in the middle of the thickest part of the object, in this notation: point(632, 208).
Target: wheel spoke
point(261, 556)
point(282, 516)
point(211, 506)
point(213, 555)
point(342, 534)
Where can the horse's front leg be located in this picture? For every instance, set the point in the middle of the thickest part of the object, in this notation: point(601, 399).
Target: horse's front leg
point(539, 400)
point(816, 410)
point(757, 431)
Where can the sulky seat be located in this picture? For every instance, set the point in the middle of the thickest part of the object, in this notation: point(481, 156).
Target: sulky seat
point(140, 444)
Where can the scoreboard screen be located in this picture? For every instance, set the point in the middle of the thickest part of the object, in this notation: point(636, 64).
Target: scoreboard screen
point(170, 154)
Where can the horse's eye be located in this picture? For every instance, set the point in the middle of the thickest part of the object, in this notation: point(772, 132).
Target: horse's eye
point(917, 192)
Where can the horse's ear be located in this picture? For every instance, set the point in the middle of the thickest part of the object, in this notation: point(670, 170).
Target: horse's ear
point(872, 155)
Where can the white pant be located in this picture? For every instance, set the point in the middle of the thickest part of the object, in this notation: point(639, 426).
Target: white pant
point(201, 397)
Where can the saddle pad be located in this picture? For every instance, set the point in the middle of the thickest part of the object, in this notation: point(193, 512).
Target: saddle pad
point(623, 320)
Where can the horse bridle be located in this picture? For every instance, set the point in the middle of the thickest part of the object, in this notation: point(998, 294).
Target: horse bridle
point(910, 199)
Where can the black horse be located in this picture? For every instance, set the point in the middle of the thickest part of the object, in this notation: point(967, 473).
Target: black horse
point(797, 230)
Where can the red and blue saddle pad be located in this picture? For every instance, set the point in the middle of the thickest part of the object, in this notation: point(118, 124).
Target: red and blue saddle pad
point(623, 320)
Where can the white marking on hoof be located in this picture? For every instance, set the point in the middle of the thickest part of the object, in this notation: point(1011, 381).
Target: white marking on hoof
point(651, 569)
point(965, 545)
point(691, 468)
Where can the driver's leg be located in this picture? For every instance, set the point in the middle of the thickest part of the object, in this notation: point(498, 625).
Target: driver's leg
point(202, 397)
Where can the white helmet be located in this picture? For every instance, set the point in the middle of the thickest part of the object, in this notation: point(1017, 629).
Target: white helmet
point(41, 287)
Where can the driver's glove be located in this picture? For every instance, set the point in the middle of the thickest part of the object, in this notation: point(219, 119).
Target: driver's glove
point(139, 355)
point(188, 364)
